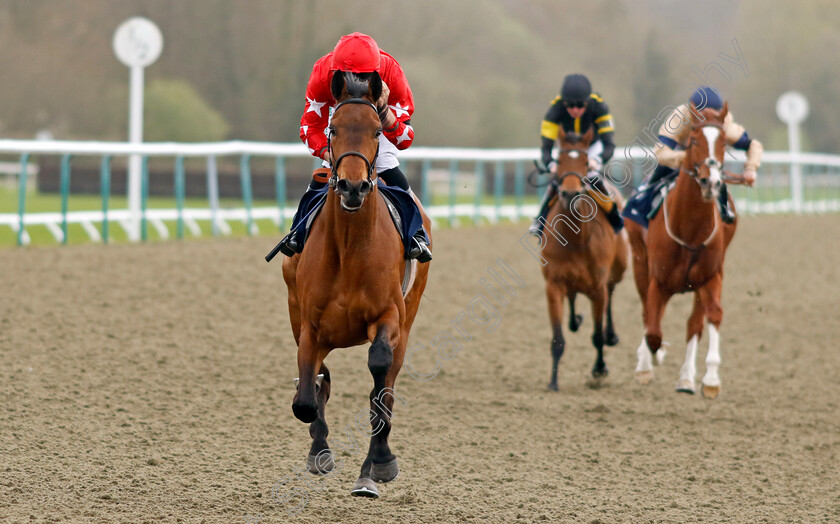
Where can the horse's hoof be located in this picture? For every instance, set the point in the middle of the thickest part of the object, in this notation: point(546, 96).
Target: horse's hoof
point(365, 487)
point(598, 374)
point(575, 322)
point(553, 386)
point(710, 392)
point(660, 356)
point(611, 339)
point(305, 412)
point(685, 386)
point(384, 472)
point(644, 377)
point(320, 464)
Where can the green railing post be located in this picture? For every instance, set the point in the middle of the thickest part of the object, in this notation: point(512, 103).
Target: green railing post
point(105, 190)
point(144, 198)
point(425, 190)
point(499, 187)
point(180, 190)
point(65, 194)
point(479, 190)
point(453, 173)
point(247, 195)
point(520, 188)
point(280, 188)
point(23, 181)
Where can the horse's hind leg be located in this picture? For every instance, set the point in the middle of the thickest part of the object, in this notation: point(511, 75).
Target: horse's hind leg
point(320, 460)
point(610, 337)
point(694, 331)
point(574, 319)
point(555, 296)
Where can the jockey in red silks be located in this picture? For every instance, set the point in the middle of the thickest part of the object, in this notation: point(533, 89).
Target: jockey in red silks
point(359, 53)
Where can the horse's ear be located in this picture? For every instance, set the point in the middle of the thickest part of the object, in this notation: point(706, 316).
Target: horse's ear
point(337, 84)
point(724, 111)
point(588, 136)
point(561, 134)
point(375, 86)
point(695, 115)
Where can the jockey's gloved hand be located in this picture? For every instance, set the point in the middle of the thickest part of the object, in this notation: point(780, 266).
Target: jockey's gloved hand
point(595, 164)
point(386, 115)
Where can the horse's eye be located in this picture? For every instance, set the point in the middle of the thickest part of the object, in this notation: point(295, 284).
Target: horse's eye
point(332, 131)
point(378, 132)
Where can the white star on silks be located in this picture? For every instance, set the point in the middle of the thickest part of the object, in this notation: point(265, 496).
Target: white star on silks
point(304, 129)
point(315, 106)
point(399, 110)
point(404, 136)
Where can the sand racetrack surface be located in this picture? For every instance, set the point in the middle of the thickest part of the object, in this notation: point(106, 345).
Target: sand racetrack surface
point(153, 383)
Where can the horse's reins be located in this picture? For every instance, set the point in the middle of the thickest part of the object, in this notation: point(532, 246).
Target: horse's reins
point(334, 162)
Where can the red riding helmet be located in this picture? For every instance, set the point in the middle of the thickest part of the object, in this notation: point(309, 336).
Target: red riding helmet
point(356, 53)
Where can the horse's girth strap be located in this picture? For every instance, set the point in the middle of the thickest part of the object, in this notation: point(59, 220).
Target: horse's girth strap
point(322, 174)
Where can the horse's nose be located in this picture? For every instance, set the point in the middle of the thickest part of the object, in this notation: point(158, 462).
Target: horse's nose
point(353, 189)
point(353, 193)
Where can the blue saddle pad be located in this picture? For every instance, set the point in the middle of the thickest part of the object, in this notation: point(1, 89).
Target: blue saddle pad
point(409, 213)
point(646, 200)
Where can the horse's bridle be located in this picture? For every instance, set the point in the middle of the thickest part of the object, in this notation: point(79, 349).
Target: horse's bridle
point(370, 165)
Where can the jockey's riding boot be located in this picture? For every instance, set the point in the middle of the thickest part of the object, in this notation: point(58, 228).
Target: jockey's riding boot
point(615, 219)
point(419, 247)
point(289, 246)
point(727, 214)
point(538, 224)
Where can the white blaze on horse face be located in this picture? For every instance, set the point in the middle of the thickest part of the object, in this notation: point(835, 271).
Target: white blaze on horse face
point(712, 133)
point(711, 377)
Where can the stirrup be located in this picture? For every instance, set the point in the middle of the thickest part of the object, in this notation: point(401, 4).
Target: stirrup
point(289, 246)
point(420, 251)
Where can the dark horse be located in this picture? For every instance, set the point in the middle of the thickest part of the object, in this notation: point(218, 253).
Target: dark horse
point(345, 289)
point(683, 250)
point(583, 254)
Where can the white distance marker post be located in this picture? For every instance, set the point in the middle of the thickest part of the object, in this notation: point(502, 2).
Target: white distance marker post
point(137, 44)
point(792, 109)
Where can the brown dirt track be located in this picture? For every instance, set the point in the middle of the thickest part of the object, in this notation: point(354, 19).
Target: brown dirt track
point(154, 383)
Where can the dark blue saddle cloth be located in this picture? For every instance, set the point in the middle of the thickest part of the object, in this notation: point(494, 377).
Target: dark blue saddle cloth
point(410, 221)
point(646, 200)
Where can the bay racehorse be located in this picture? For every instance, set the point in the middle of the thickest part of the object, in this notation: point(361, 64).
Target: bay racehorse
point(683, 251)
point(345, 288)
point(582, 252)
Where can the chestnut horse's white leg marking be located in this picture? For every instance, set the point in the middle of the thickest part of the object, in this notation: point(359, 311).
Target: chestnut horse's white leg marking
point(688, 372)
point(711, 378)
point(644, 367)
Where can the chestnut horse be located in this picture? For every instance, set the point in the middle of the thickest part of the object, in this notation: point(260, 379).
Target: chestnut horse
point(683, 250)
point(583, 254)
point(345, 288)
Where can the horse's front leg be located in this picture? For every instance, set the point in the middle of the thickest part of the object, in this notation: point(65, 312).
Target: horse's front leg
point(555, 292)
point(310, 358)
point(385, 358)
point(652, 341)
point(710, 296)
point(694, 331)
point(599, 303)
